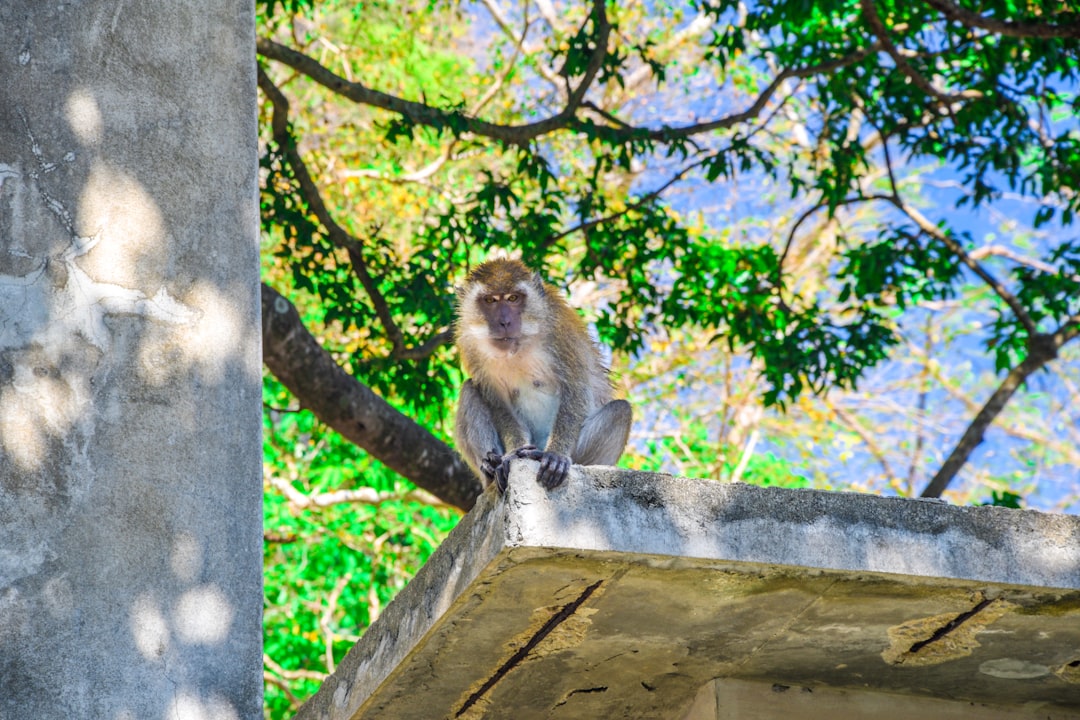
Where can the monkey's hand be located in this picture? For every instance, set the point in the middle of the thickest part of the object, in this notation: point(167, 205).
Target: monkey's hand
point(496, 467)
point(489, 466)
point(553, 469)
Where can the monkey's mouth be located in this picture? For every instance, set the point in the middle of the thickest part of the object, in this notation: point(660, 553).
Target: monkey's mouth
point(507, 345)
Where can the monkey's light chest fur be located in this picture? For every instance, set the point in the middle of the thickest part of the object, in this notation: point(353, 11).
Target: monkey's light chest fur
point(528, 387)
point(520, 373)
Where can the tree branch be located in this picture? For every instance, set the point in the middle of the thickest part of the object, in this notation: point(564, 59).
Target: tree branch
point(1041, 350)
point(295, 358)
point(821, 204)
point(1005, 252)
point(873, 20)
point(596, 60)
point(924, 395)
point(294, 702)
point(423, 114)
point(1010, 28)
point(1066, 447)
point(337, 234)
point(852, 423)
point(360, 496)
point(641, 202)
point(293, 674)
point(957, 249)
point(652, 194)
point(672, 133)
point(924, 224)
point(522, 135)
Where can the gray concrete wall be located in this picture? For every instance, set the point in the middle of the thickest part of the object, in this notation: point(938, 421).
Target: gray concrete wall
point(130, 490)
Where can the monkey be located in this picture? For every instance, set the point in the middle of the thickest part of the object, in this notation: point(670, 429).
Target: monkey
point(537, 385)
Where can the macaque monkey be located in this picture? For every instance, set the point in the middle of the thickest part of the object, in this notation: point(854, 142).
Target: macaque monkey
point(538, 388)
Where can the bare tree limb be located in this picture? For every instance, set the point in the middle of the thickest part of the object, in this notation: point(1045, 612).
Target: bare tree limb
point(672, 133)
point(326, 619)
point(1041, 349)
point(586, 225)
point(1005, 252)
point(416, 176)
point(817, 207)
point(360, 496)
point(295, 358)
point(924, 394)
point(545, 70)
point(292, 674)
point(1010, 28)
point(294, 702)
point(630, 207)
point(1068, 448)
point(852, 423)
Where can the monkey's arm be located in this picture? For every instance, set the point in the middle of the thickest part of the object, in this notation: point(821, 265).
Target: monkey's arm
point(482, 432)
point(514, 436)
point(556, 457)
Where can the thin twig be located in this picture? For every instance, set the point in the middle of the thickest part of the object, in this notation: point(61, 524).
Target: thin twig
point(957, 249)
point(292, 674)
point(326, 618)
point(644, 200)
point(853, 424)
point(924, 393)
point(671, 133)
point(294, 702)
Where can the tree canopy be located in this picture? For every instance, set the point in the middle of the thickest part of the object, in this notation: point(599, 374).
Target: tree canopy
point(800, 192)
point(988, 90)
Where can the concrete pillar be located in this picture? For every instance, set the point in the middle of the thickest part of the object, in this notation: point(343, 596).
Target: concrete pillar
point(130, 490)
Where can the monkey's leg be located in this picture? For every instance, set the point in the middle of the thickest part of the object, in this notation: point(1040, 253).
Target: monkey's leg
point(604, 434)
point(475, 434)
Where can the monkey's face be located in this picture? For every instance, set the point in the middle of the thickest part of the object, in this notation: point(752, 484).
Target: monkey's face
point(503, 312)
point(499, 323)
point(500, 308)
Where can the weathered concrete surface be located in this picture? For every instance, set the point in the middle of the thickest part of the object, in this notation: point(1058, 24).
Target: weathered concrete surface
point(130, 478)
point(624, 595)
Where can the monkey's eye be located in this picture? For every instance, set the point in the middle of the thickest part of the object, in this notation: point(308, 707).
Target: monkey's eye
point(489, 299)
point(513, 298)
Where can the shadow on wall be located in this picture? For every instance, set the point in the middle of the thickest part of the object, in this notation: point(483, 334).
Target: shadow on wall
point(130, 488)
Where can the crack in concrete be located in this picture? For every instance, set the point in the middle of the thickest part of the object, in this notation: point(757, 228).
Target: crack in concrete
point(950, 626)
point(557, 619)
point(572, 693)
point(787, 625)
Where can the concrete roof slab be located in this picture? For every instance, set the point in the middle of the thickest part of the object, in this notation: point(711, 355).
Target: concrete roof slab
point(626, 594)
